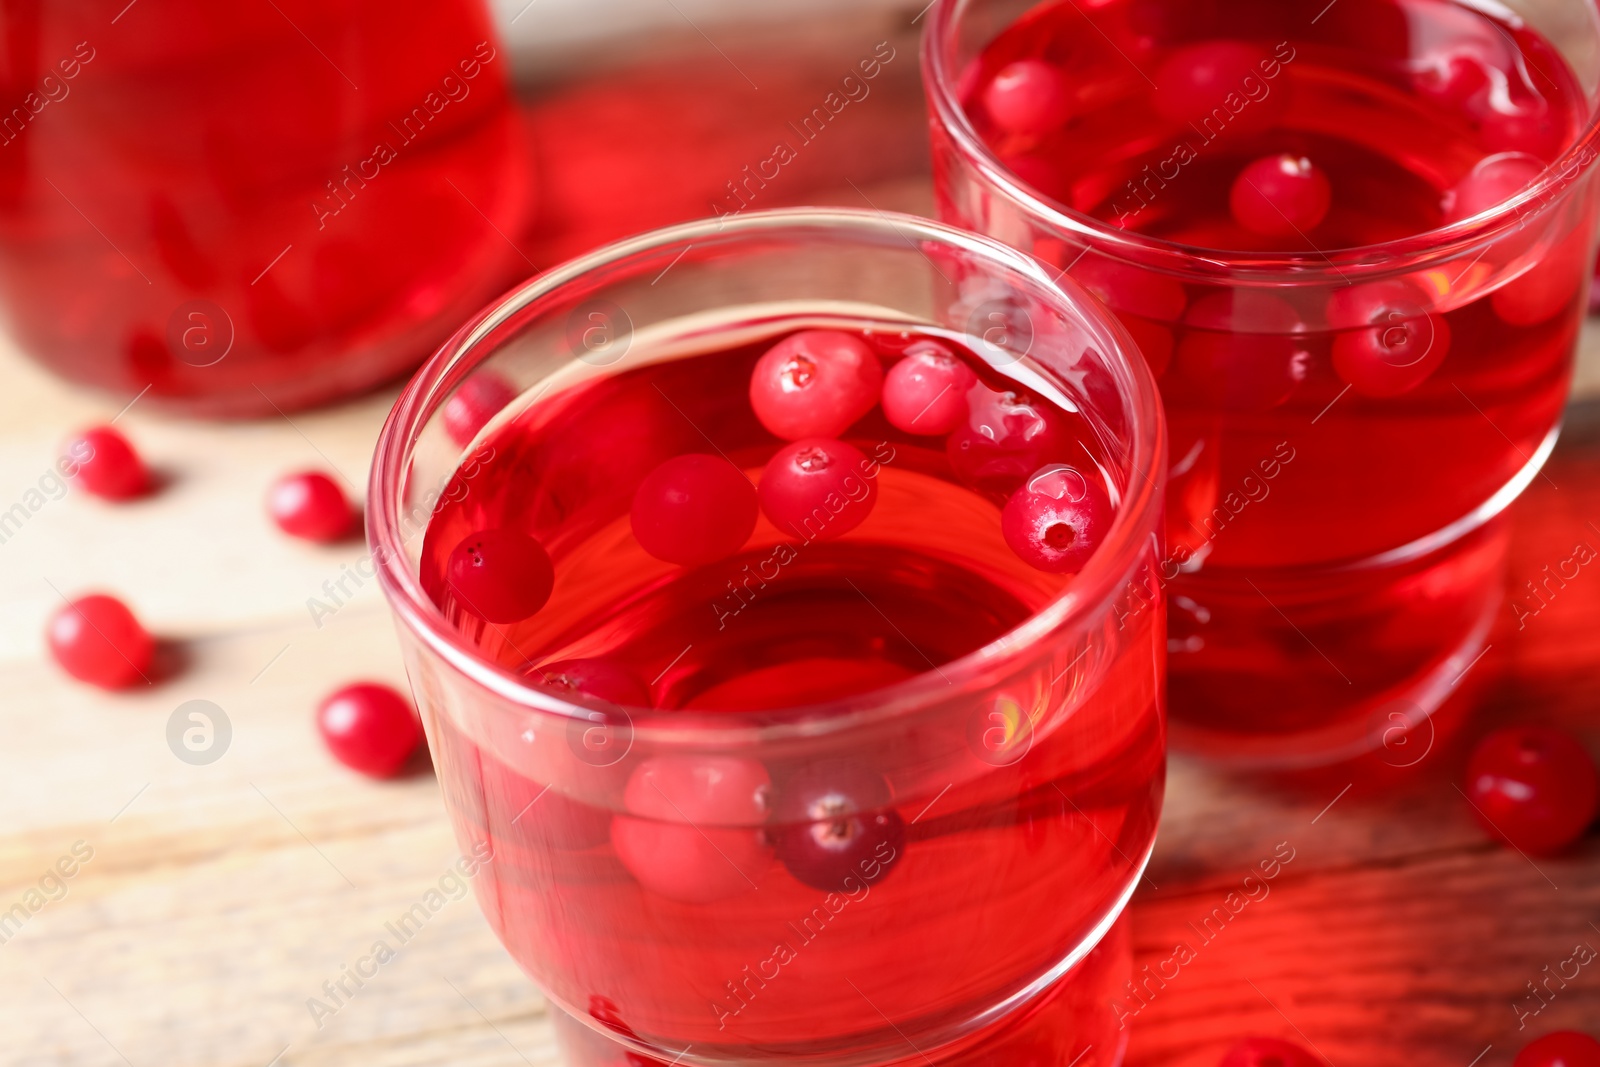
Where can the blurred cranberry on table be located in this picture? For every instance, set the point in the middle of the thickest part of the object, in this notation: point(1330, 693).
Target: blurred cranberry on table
point(1566, 1048)
point(1268, 1052)
point(1533, 787)
point(369, 728)
point(105, 464)
point(311, 505)
point(96, 639)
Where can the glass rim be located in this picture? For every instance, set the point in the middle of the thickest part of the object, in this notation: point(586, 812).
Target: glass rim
point(941, 84)
point(1091, 593)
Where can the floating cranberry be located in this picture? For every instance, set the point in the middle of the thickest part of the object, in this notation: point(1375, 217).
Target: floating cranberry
point(693, 510)
point(500, 576)
point(480, 398)
point(1198, 83)
point(819, 490)
point(1029, 97)
point(369, 728)
point(1007, 436)
point(96, 639)
point(1564, 1048)
point(310, 505)
point(1281, 196)
point(1547, 288)
point(1451, 78)
point(1388, 343)
point(838, 831)
point(1491, 183)
point(1268, 1052)
point(926, 392)
point(1529, 126)
point(815, 384)
point(1244, 350)
point(692, 831)
point(1534, 787)
point(1057, 519)
point(105, 464)
point(600, 678)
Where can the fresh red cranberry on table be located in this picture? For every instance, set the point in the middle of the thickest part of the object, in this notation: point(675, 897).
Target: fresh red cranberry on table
point(478, 400)
point(1006, 437)
point(1269, 1052)
point(311, 505)
point(693, 510)
point(105, 464)
point(818, 490)
point(1493, 181)
point(1197, 80)
point(815, 384)
point(1281, 196)
point(369, 728)
point(603, 679)
point(1057, 519)
point(1534, 787)
point(1243, 350)
point(96, 639)
point(1386, 342)
point(926, 391)
point(692, 829)
point(499, 575)
point(1029, 97)
point(1565, 1048)
point(838, 831)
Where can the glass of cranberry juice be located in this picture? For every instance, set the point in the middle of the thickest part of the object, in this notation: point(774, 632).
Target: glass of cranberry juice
point(779, 595)
point(1351, 244)
point(231, 209)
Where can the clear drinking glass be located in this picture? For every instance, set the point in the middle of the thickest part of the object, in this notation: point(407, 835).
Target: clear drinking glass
point(1350, 419)
point(1020, 781)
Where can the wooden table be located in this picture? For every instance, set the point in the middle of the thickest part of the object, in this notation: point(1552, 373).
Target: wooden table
point(219, 898)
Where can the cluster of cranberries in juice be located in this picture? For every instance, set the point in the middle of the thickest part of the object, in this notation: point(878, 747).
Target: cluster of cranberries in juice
point(1320, 432)
point(791, 518)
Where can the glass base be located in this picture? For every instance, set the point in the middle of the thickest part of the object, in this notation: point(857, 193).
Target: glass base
point(1074, 1022)
point(1285, 671)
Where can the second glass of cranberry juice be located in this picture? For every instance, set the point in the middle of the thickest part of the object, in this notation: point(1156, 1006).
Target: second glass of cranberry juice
point(1351, 240)
point(246, 208)
point(780, 598)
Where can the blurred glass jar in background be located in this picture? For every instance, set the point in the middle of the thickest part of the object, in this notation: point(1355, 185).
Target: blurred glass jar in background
point(253, 206)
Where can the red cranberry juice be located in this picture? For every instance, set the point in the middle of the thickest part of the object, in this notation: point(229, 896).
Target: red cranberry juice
point(219, 201)
point(1316, 442)
point(734, 905)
